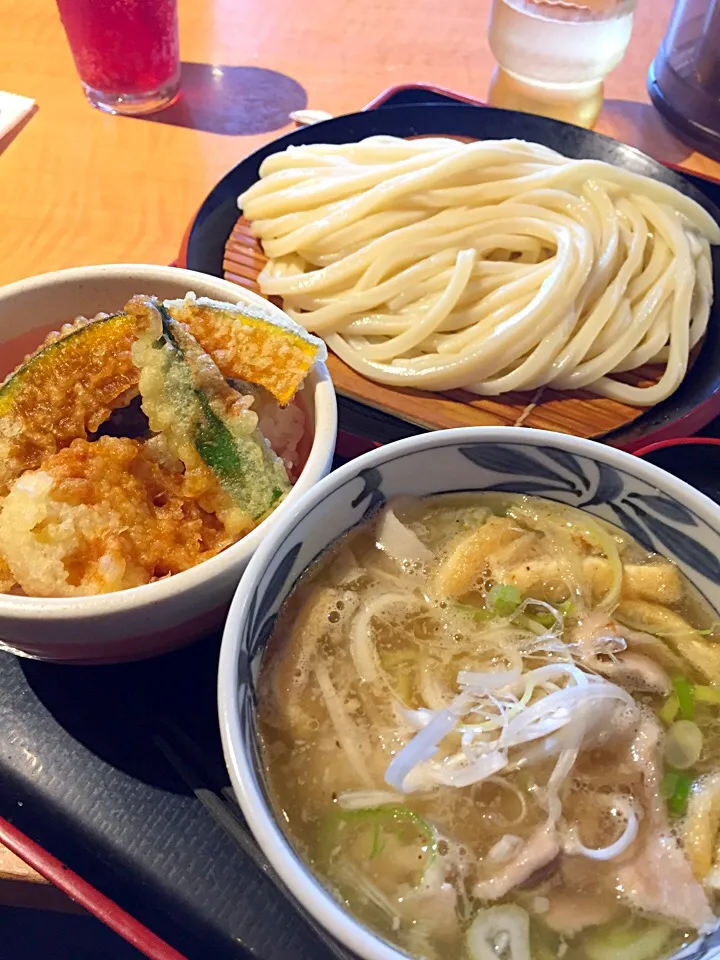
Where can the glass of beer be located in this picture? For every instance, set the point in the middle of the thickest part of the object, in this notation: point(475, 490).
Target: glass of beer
point(554, 55)
point(126, 52)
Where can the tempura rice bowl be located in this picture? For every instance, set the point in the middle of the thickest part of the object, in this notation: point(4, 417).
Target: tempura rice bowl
point(159, 616)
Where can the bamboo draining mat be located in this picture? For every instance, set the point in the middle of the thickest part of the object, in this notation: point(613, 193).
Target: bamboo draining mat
point(578, 413)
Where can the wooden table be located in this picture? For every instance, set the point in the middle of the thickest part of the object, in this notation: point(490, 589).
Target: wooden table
point(80, 187)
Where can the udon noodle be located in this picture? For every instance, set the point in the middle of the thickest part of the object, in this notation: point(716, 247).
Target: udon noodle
point(492, 266)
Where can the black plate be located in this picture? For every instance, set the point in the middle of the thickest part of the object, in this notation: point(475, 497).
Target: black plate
point(218, 214)
point(696, 462)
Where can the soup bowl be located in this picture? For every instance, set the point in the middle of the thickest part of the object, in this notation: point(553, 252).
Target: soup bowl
point(155, 617)
point(663, 513)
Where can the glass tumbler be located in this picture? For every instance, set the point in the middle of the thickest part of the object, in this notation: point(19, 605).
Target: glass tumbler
point(126, 52)
point(553, 55)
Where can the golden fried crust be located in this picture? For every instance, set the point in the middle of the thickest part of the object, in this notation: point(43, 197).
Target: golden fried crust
point(7, 580)
point(71, 384)
point(64, 391)
point(250, 348)
point(103, 516)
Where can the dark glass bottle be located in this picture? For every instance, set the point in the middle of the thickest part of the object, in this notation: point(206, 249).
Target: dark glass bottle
point(684, 79)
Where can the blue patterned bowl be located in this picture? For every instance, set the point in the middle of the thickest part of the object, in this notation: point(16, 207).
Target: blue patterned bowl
point(662, 512)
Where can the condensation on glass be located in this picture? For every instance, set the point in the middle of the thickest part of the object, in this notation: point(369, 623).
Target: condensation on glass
point(553, 55)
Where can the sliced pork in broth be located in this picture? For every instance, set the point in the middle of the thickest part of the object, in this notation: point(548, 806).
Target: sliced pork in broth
point(491, 726)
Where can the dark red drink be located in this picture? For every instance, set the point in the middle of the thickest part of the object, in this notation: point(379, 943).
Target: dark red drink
point(126, 51)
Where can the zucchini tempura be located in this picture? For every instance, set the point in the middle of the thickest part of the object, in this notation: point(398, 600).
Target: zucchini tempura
point(203, 422)
point(100, 517)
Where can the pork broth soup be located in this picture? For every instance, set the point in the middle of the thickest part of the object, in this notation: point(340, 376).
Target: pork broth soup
point(490, 724)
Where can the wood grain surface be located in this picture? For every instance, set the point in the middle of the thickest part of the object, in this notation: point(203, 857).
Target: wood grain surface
point(80, 187)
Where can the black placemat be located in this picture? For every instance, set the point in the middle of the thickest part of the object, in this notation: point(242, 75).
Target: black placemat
point(82, 776)
point(80, 773)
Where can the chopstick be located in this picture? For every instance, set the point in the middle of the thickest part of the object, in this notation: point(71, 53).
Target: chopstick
point(217, 808)
point(79, 890)
point(188, 762)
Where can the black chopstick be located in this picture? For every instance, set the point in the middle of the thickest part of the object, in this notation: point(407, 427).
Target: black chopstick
point(218, 808)
point(186, 760)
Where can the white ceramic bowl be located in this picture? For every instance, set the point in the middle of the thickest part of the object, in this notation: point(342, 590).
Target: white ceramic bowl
point(157, 617)
point(665, 513)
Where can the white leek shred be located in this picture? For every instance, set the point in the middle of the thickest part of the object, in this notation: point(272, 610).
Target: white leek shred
point(367, 799)
point(573, 845)
point(499, 933)
point(422, 747)
point(400, 543)
point(357, 880)
point(519, 795)
point(488, 681)
point(492, 718)
point(506, 848)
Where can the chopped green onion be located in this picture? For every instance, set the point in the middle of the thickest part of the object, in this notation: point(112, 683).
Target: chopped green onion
point(669, 710)
point(529, 623)
point(685, 693)
point(375, 825)
point(705, 694)
point(676, 789)
point(378, 845)
point(669, 783)
point(504, 599)
point(477, 613)
point(567, 608)
point(546, 619)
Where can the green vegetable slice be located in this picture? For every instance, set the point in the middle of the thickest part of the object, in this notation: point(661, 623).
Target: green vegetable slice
point(481, 614)
point(503, 599)
point(685, 693)
point(675, 788)
point(637, 939)
point(545, 619)
point(704, 694)
point(392, 845)
point(187, 399)
point(549, 620)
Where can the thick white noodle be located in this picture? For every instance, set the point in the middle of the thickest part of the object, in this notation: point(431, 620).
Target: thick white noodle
point(491, 266)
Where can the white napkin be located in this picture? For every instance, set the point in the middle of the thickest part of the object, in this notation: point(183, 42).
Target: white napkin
point(13, 109)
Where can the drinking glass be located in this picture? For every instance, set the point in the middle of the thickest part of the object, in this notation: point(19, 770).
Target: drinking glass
point(553, 55)
point(126, 52)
